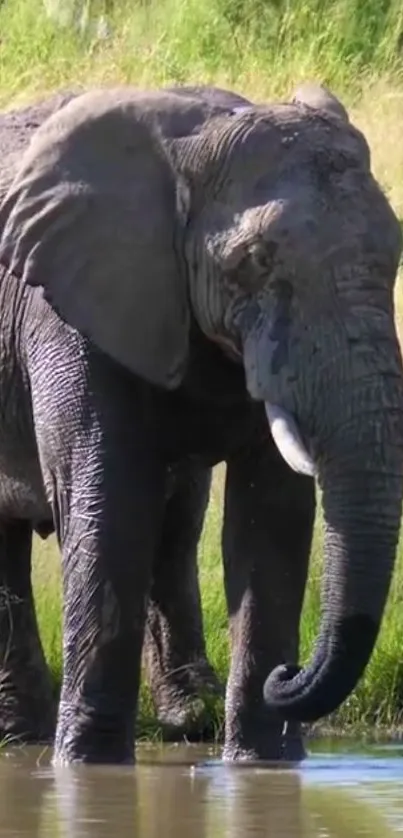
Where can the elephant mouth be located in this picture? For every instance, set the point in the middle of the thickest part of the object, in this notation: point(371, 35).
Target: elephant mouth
point(265, 347)
point(288, 439)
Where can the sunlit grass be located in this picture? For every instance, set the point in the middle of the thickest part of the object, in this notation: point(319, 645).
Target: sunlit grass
point(259, 46)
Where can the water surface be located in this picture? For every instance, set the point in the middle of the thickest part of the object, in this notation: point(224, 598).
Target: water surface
point(186, 792)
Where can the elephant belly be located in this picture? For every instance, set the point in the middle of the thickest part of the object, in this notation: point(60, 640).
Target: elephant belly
point(210, 417)
point(208, 434)
point(22, 493)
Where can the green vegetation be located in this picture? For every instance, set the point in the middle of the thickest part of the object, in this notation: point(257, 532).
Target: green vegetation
point(261, 48)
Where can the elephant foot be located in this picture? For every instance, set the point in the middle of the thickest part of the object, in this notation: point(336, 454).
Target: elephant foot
point(266, 746)
point(86, 736)
point(186, 703)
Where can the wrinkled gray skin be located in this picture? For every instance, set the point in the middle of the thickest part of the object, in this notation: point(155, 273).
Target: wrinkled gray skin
point(280, 254)
point(181, 679)
point(179, 675)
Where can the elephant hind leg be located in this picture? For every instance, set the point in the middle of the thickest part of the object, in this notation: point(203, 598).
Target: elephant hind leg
point(27, 709)
point(183, 683)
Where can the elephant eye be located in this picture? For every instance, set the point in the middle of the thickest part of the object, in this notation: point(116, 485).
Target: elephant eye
point(263, 256)
point(254, 267)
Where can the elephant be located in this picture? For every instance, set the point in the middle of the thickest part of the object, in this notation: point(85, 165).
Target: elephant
point(221, 295)
point(179, 674)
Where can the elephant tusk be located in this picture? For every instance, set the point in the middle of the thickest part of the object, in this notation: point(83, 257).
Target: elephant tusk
point(288, 440)
point(240, 109)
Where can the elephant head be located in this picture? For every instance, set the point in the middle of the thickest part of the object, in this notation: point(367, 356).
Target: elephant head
point(268, 225)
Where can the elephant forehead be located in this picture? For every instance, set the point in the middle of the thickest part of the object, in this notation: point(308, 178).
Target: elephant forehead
point(311, 235)
point(304, 179)
point(248, 152)
point(341, 219)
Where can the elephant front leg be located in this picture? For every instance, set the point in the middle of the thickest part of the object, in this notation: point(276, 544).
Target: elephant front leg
point(268, 524)
point(108, 549)
point(183, 683)
point(27, 708)
point(107, 559)
point(105, 484)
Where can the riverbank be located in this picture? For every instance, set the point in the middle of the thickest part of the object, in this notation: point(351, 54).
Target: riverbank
point(262, 50)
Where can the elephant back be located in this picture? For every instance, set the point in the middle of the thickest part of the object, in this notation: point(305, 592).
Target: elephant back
point(17, 127)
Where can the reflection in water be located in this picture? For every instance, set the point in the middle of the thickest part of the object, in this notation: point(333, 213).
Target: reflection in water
point(96, 802)
point(21, 797)
point(338, 814)
point(178, 792)
point(255, 802)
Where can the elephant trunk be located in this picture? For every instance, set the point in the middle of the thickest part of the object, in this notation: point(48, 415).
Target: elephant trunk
point(362, 500)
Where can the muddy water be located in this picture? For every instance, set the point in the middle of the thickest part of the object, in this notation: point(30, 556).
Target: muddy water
point(177, 792)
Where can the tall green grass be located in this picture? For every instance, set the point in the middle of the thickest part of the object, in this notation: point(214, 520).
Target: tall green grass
point(261, 48)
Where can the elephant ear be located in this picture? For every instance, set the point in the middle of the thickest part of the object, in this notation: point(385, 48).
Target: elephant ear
point(92, 216)
point(318, 96)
